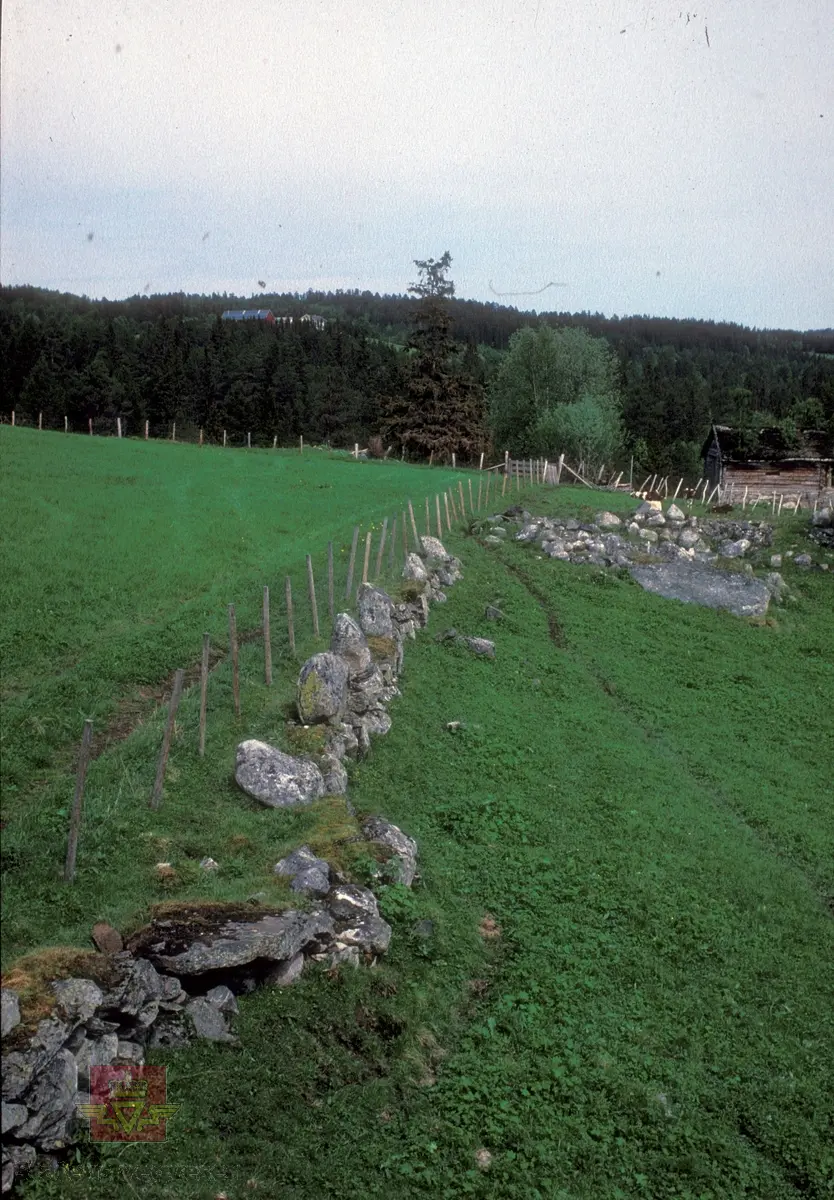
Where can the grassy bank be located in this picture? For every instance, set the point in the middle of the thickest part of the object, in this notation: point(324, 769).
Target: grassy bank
point(624, 989)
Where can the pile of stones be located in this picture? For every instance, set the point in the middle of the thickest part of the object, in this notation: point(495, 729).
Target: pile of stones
point(669, 553)
point(179, 977)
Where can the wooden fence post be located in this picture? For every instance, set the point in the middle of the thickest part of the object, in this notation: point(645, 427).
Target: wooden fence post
point(301, 444)
point(75, 815)
point(481, 463)
point(405, 538)
point(174, 432)
point(156, 794)
point(40, 423)
point(471, 502)
point(12, 418)
point(204, 674)
point(428, 521)
point(392, 549)
point(66, 425)
point(454, 464)
point(448, 520)
point(486, 493)
point(311, 588)
point(224, 439)
point(90, 425)
point(352, 562)
point(267, 642)
point(504, 484)
point(413, 523)
point(147, 429)
point(290, 624)
point(249, 441)
point(437, 514)
point(331, 603)
point(233, 648)
point(275, 442)
point(201, 436)
point(480, 484)
point(462, 502)
point(368, 538)
point(451, 495)
point(381, 548)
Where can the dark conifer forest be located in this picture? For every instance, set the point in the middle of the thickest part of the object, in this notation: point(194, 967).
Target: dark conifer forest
point(171, 358)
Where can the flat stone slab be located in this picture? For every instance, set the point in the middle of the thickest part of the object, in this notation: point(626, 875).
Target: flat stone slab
point(694, 583)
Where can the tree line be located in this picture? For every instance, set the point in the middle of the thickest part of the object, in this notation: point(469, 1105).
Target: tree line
point(428, 373)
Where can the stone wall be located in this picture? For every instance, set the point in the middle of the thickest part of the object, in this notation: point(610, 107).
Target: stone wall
point(179, 977)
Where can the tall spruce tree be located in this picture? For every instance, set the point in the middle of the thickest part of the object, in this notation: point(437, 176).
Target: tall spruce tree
point(440, 407)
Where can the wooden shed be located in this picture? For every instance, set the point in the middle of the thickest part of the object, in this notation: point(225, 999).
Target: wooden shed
point(766, 462)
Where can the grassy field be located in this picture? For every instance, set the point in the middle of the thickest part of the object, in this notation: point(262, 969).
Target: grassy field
point(628, 866)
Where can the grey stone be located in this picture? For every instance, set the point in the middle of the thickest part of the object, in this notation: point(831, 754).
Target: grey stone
point(349, 642)
point(673, 513)
point(376, 721)
point(688, 538)
point(77, 999)
point(803, 560)
point(130, 1053)
point(17, 1161)
point(383, 833)
point(448, 576)
point(312, 882)
point(655, 520)
point(607, 520)
point(415, 569)
point(348, 902)
point(170, 1032)
point(776, 560)
point(335, 776)
point(342, 956)
point(529, 532)
point(9, 1010)
point(492, 540)
point(321, 691)
point(648, 535)
point(98, 1052)
point(208, 1021)
point(366, 689)
point(375, 608)
point(52, 1102)
point(369, 933)
point(776, 586)
point(647, 508)
point(277, 937)
point(433, 549)
point(735, 549)
point(140, 982)
point(481, 646)
point(694, 583)
point(13, 1115)
point(300, 860)
point(283, 974)
point(275, 778)
point(209, 864)
point(342, 742)
point(823, 518)
point(223, 997)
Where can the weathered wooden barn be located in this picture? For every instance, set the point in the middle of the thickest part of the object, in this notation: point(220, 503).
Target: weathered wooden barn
point(766, 462)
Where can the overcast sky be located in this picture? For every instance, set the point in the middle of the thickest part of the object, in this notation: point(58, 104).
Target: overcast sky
point(646, 157)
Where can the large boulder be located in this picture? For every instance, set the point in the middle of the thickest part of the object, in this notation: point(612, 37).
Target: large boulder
point(695, 583)
point(375, 611)
point(607, 520)
point(322, 688)
point(415, 569)
point(349, 642)
point(276, 779)
point(433, 550)
point(275, 937)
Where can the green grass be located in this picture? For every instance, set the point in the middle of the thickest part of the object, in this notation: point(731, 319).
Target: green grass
point(639, 796)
